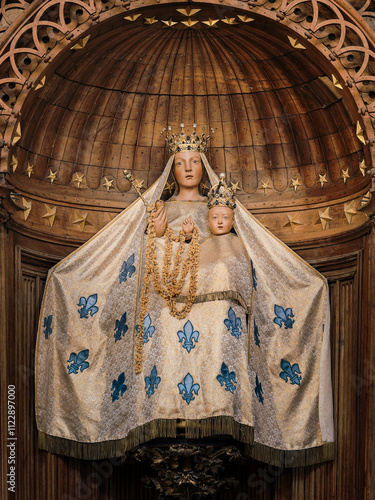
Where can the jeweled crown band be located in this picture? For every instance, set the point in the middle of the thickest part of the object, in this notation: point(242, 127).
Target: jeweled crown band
point(186, 141)
point(220, 195)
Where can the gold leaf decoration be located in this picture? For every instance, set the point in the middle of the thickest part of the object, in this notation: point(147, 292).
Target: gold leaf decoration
point(345, 174)
point(82, 220)
point(350, 211)
point(324, 217)
point(294, 183)
point(188, 11)
point(170, 187)
point(41, 83)
point(78, 178)
point(322, 179)
point(14, 163)
point(81, 43)
point(50, 214)
point(108, 184)
point(211, 22)
point(336, 83)
point(295, 43)
point(29, 169)
point(229, 20)
point(151, 20)
point(169, 23)
point(363, 168)
point(132, 17)
point(52, 176)
point(17, 133)
point(189, 23)
point(293, 221)
point(27, 208)
point(359, 133)
point(245, 18)
point(265, 186)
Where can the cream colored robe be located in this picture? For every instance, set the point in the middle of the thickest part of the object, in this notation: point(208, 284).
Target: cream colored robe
point(250, 361)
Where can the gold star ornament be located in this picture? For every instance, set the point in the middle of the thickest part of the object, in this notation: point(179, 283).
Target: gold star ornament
point(52, 176)
point(294, 183)
point(81, 220)
point(211, 22)
point(50, 214)
point(188, 11)
point(132, 17)
point(78, 178)
point(108, 184)
point(27, 208)
point(41, 83)
point(363, 168)
point(29, 169)
point(359, 133)
point(81, 43)
point(17, 134)
point(336, 83)
point(324, 217)
point(350, 211)
point(170, 187)
point(322, 180)
point(265, 186)
point(295, 43)
point(189, 23)
point(345, 175)
point(293, 221)
point(229, 20)
point(169, 23)
point(245, 18)
point(151, 20)
point(14, 163)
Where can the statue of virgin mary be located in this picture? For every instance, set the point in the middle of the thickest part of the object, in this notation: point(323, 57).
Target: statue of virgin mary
point(241, 349)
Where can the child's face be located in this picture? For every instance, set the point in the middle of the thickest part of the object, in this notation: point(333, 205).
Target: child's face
point(220, 220)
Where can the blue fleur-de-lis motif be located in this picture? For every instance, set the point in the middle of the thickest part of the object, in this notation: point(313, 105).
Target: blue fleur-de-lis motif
point(256, 334)
point(88, 306)
point(284, 316)
point(152, 382)
point(47, 326)
point(148, 328)
point(188, 335)
point(121, 327)
point(227, 378)
point(78, 361)
point(118, 387)
point(258, 390)
point(233, 323)
point(127, 269)
point(290, 372)
point(254, 275)
point(189, 388)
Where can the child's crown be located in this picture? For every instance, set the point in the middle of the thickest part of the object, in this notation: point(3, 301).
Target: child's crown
point(220, 195)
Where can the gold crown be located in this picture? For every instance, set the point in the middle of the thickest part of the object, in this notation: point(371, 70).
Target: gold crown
point(186, 141)
point(220, 195)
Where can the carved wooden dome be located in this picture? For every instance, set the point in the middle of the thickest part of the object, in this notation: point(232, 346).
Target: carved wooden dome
point(282, 129)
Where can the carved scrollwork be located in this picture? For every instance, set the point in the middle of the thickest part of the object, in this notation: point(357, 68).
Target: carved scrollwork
point(188, 471)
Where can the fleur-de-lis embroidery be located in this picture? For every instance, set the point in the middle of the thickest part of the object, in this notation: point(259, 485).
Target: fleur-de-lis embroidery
point(78, 361)
point(88, 306)
point(118, 387)
point(189, 388)
point(47, 326)
point(121, 327)
point(233, 323)
point(152, 382)
point(127, 269)
point(254, 275)
point(284, 316)
point(149, 329)
point(258, 390)
point(256, 334)
point(290, 372)
point(227, 378)
point(188, 335)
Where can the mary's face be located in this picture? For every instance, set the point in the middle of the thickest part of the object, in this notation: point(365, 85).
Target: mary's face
point(188, 169)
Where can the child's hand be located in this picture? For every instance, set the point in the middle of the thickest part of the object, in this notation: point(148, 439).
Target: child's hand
point(188, 226)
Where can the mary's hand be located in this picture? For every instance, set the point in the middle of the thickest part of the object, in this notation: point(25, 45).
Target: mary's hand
point(160, 221)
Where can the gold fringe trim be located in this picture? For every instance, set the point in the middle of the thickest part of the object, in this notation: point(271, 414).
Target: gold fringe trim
point(224, 295)
point(293, 458)
point(160, 428)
